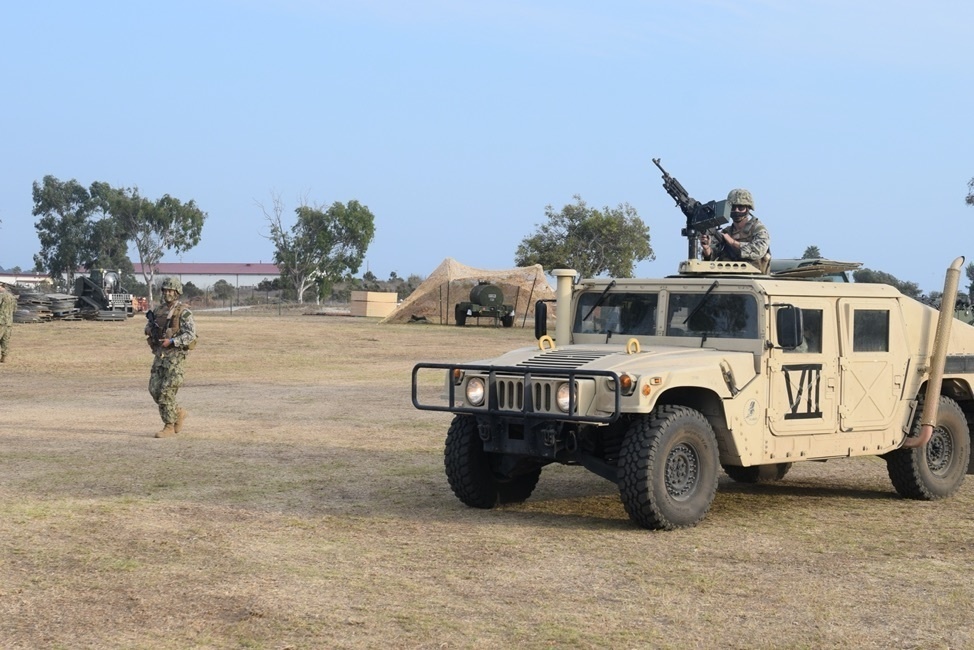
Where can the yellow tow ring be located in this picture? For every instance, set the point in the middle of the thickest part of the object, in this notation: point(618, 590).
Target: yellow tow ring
point(548, 343)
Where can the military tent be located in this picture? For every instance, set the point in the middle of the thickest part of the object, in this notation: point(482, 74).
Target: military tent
point(451, 282)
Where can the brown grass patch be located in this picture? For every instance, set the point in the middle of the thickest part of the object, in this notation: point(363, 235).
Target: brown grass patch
point(305, 507)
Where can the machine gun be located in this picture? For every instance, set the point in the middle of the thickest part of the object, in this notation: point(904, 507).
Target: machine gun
point(701, 217)
point(154, 328)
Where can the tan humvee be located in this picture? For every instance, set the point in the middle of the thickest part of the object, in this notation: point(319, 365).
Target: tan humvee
point(657, 384)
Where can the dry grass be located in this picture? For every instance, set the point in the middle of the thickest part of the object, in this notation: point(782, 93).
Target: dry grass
point(305, 507)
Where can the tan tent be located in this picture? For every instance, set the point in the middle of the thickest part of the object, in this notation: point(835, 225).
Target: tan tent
point(451, 282)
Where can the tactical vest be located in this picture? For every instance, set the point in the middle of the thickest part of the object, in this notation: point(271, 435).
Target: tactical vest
point(175, 316)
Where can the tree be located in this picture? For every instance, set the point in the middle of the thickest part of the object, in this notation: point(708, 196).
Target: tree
point(911, 289)
point(592, 242)
point(811, 253)
point(223, 290)
point(63, 229)
point(322, 247)
point(190, 291)
point(154, 228)
point(269, 285)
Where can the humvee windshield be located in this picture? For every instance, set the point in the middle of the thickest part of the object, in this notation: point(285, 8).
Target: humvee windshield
point(618, 313)
point(722, 315)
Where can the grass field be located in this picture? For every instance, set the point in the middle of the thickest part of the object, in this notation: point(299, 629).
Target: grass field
point(305, 506)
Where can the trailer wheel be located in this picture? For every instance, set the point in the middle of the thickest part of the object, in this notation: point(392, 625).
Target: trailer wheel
point(507, 321)
point(471, 471)
point(460, 316)
point(757, 473)
point(937, 469)
point(668, 468)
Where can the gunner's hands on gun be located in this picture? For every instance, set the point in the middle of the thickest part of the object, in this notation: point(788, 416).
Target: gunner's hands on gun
point(705, 240)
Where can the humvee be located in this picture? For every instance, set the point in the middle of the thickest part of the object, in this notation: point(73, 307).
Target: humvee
point(659, 384)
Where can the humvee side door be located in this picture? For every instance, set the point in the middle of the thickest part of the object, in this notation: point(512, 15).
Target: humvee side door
point(872, 363)
point(804, 383)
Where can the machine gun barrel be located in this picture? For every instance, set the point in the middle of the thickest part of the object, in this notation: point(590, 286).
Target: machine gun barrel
point(701, 217)
point(673, 187)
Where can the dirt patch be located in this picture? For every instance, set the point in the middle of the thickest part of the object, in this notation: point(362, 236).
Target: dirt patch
point(305, 506)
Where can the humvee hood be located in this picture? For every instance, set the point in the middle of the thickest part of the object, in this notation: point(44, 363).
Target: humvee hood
point(650, 359)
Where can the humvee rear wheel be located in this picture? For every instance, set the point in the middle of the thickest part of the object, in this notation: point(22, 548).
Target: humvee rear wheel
point(474, 474)
point(937, 469)
point(668, 468)
point(757, 473)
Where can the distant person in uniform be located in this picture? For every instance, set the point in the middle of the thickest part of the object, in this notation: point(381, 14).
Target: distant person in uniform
point(8, 305)
point(171, 340)
point(745, 239)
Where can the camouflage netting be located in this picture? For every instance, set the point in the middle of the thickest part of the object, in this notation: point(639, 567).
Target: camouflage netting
point(451, 282)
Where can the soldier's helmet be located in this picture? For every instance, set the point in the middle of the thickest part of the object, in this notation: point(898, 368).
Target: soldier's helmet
point(174, 284)
point(741, 196)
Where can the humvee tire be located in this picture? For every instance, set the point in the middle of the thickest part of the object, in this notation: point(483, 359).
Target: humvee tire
point(668, 468)
point(757, 473)
point(937, 469)
point(471, 475)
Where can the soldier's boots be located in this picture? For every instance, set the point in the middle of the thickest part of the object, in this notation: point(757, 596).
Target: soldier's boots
point(180, 418)
point(168, 431)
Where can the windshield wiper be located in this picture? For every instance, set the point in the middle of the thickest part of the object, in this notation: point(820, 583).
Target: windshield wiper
point(700, 305)
point(599, 302)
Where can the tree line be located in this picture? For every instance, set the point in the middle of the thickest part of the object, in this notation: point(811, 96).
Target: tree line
point(322, 246)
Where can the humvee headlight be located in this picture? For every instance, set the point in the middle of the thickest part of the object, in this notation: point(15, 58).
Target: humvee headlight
point(627, 383)
point(475, 391)
point(562, 397)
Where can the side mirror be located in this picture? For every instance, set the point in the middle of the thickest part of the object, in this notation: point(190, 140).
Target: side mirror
point(540, 319)
point(790, 327)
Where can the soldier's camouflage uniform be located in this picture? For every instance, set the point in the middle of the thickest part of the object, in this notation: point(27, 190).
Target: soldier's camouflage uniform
point(8, 304)
point(755, 243)
point(166, 375)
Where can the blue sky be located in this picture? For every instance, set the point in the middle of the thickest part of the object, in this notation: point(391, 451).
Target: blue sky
point(457, 122)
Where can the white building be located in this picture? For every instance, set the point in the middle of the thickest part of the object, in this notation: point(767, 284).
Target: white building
point(204, 275)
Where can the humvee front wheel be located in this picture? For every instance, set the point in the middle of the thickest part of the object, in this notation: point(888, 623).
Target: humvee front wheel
point(937, 469)
point(757, 473)
point(473, 473)
point(668, 468)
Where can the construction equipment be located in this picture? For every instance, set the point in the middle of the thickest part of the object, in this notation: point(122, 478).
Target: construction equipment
point(100, 296)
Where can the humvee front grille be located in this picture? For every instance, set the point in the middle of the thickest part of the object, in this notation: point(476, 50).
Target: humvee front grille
point(515, 392)
point(510, 395)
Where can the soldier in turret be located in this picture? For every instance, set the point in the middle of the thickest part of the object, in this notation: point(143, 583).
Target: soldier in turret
point(171, 339)
point(745, 239)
